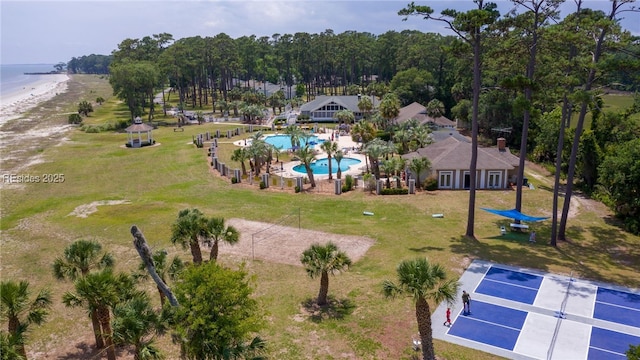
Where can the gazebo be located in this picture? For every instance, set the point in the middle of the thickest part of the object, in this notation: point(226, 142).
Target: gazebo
point(139, 128)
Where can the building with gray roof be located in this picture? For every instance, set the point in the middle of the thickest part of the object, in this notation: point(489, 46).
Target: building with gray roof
point(323, 107)
point(450, 159)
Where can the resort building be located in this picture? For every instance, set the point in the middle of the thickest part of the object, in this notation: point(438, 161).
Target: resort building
point(419, 112)
point(324, 107)
point(496, 167)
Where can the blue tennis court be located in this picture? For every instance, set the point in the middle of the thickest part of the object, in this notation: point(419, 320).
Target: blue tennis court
point(606, 344)
point(510, 285)
point(617, 306)
point(490, 324)
point(525, 314)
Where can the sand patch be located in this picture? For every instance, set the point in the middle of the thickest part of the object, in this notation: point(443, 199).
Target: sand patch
point(85, 210)
point(284, 245)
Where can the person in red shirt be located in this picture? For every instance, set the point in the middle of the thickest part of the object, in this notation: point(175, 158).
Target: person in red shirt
point(448, 322)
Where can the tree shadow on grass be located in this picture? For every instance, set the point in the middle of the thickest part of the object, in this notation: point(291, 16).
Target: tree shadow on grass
point(335, 309)
point(85, 350)
point(504, 252)
point(426, 249)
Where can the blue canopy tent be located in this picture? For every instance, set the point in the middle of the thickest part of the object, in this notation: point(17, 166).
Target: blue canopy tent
point(515, 215)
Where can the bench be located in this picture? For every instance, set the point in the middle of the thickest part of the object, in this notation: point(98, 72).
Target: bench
point(518, 226)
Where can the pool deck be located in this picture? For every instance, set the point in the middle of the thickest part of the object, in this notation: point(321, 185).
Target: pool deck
point(344, 142)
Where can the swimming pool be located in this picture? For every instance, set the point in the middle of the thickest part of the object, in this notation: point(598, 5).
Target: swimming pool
point(284, 141)
point(321, 166)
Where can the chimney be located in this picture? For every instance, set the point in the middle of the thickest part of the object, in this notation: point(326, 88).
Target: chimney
point(502, 144)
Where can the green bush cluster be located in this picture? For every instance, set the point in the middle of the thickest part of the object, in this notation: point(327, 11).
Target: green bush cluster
point(75, 119)
point(234, 180)
point(297, 189)
point(430, 184)
point(394, 192)
point(262, 185)
point(92, 129)
point(348, 183)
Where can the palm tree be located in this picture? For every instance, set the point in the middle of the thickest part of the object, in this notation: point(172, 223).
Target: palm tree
point(388, 166)
point(399, 164)
point(344, 116)
point(135, 323)
point(258, 150)
point(215, 231)
point(240, 155)
point(339, 155)
point(163, 269)
point(79, 258)
point(421, 137)
point(330, 148)
point(364, 131)
point(100, 292)
point(9, 347)
point(187, 230)
point(295, 133)
point(375, 149)
point(389, 108)
point(419, 165)
point(307, 156)
point(365, 106)
point(19, 311)
point(435, 108)
point(320, 260)
point(403, 136)
point(423, 281)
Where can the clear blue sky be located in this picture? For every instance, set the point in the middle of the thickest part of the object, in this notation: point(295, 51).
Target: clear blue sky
point(52, 31)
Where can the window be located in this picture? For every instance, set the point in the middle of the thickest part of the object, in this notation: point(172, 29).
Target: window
point(446, 180)
point(495, 180)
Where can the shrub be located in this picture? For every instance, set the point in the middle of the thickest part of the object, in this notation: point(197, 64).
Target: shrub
point(121, 124)
point(85, 108)
point(394, 192)
point(348, 183)
point(369, 182)
point(92, 130)
point(234, 180)
point(297, 189)
point(75, 119)
point(262, 185)
point(430, 184)
point(100, 100)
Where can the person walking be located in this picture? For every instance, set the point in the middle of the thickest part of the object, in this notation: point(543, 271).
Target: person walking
point(448, 322)
point(532, 237)
point(466, 302)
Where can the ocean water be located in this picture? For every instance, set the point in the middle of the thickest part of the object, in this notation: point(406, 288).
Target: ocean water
point(13, 79)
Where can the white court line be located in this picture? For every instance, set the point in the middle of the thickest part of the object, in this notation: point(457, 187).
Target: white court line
point(492, 323)
point(605, 350)
point(619, 306)
point(508, 283)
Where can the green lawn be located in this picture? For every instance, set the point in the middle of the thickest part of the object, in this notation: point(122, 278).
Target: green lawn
point(159, 181)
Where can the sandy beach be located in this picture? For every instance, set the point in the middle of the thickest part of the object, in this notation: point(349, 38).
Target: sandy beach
point(16, 103)
point(21, 134)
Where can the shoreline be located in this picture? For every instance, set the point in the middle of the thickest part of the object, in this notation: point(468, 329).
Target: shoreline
point(13, 105)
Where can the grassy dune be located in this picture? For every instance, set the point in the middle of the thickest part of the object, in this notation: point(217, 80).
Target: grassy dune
point(156, 182)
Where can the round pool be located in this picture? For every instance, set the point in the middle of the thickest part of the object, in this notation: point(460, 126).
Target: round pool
point(284, 141)
point(321, 166)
